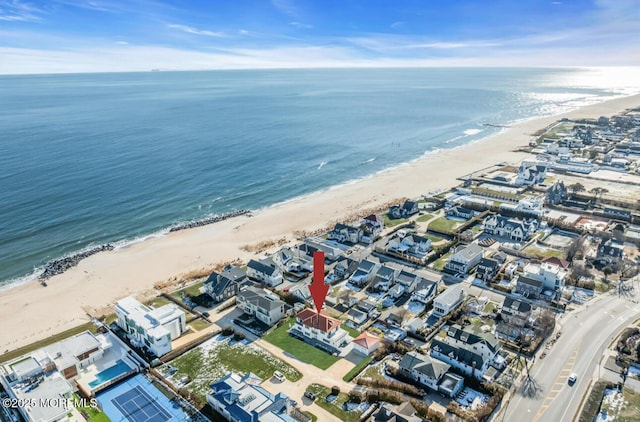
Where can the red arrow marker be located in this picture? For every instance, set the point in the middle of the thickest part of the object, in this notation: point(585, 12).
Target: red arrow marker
point(318, 288)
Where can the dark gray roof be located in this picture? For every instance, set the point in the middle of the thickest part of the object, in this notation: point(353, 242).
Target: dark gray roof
point(219, 282)
point(510, 304)
point(356, 314)
point(367, 265)
point(260, 298)
point(266, 266)
point(488, 263)
point(530, 282)
point(406, 277)
point(472, 335)
point(457, 353)
point(385, 272)
point(424, 364)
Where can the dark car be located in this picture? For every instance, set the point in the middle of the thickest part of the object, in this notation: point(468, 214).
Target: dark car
point(310, 395)
point(205, 314)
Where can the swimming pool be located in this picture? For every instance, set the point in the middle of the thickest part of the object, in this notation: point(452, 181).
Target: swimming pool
point(110, 373)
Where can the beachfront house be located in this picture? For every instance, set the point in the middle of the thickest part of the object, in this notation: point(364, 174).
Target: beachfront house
point(265, 271)
point(531, 173)
point(153, 329)
point(225, 285)
point(372, 225)
point(409, 244)
point(469, 349)
point(344, 233)
point(464, 259)
point(461, 212)
point(241, 398)
point(448, 300)
point(431, 373)
point(262, 304)
point(406, 210)
point(556, 194)
point(364, 274)
point(510, 228)
point(320, 331)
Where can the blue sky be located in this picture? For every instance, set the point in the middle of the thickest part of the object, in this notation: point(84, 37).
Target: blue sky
point(122, 35)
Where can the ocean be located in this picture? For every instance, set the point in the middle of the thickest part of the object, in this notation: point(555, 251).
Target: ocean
point(89, 159)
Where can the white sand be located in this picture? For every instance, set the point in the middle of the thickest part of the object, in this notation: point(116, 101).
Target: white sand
point(32, 312)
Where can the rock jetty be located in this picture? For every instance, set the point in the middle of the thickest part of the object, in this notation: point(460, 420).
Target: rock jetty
point(61, 265)
point(210, 220)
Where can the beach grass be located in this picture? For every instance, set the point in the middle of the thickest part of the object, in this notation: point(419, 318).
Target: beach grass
point(89, 326)
point(301, 350)
point(95, 414)
point(335, 408)
point(544, 252)
point(373, 372)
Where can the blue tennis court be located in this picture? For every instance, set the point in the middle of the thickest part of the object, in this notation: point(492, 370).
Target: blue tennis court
point(137, 400)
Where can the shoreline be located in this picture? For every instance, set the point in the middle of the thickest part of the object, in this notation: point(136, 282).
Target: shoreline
point(97, 281)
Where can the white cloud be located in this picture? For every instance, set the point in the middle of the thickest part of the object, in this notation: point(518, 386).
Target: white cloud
point(19, 11)
point(196, 31)
point(397, 24)
point(300, 25)
point(122, 43)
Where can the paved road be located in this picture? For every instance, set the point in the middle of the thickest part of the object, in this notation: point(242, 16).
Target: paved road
point(585, 335)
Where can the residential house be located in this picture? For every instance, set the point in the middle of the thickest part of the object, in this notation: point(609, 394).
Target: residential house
point(414, 325)
point(358, 317)
point(552, 276)
point(396, 291)
point(345, 234)
point(464, 259)
point(320, 330)
point(372, 225)
point(395, 319)
point(365, 273)
point(265, 271)
point(448, 300)
point(407, 280)
point(529, 205)
point(617, 213)
point(153, 329)
point(385, 278)
point(344, 268)
point(515, 312)
point(407, 209)
point(332, 250)
point(366, 343)
point(264, 305)
point(429, 372)
point(556, 194)
point(610, 250)
point(241, 398)
point(531, 173)
point(409, 244)
point(469, 350)
point(225, 285)
point(529, 287)
point(461, 212)
point(487, 269)
point(404, 412)
point(303, 257)
point(511, 228)
point(367, 307)
point(425, 291)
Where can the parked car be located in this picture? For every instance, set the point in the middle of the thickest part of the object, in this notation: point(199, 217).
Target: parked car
point(205, 314)
point(572, 378)
point(278, 375)
point(310, 395)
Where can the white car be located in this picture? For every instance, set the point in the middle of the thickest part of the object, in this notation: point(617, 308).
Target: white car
point(278, 375)
point(572, 378)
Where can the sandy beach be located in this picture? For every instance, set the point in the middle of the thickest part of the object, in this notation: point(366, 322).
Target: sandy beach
point(31, 312)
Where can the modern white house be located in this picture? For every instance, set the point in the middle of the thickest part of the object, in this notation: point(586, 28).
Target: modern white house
point(320, 330)
point(551, 275)
point(531, 173)
point(448, 300)
point(262, 304)
point(265, 270)
point(364, 273)
point(464, 259)
point(151, 328)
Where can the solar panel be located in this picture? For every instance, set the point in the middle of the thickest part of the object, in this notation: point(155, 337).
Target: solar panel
point(138, 406)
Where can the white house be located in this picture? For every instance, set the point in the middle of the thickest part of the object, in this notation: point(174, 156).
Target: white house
point(265, 270)
point(551, 275)
point(365, 273)
point(448, 300)
point(320, 330)
point(425, 291)
point(344, 233)
point(469, 350)
point(430, 373)
point(531, 173)
point(152, 328)
point(366, 343)
point(464, 259)
point(511, 228)
point(385, 278)
point(262, 304)
point(409, 244)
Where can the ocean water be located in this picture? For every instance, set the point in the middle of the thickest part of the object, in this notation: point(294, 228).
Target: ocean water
point(87, 159)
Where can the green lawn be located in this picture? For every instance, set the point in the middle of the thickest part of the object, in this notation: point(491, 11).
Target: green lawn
point(157, 302)
point(334, 408)
point(301, 350)
point(444, 225)
point(206, 365)
point(373, 372)
point(630, 411)
point(49, 340)
point(432, 238)
point(390, 223)
point(95, 414)
point(425, 217)
point(442, 261)
point(352, 332)
point(356, 369)
point(198, 324)
point(544, 252)
point(193, 290)
point(489, 307)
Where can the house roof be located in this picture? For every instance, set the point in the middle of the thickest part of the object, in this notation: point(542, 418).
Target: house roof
point(530, 282)
point(467, 253)
point(406, 277)
point(317, 320)
point(374, 218)
point(457, 353)
point(266, 266)
point(355, 313)
point(424, 364)
point(488, 263)
point(386, 272)
point(557, 261)
point(366, 340)
point(261, 298)
point(366, 265)
point(408, 205)
point(219, 282)
point(451, 296)
point(473, 336)
point(511, 304)
point(366, 306)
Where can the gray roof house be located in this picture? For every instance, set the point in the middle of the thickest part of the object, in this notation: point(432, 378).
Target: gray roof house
point(427, 371)
point(529, 287)
point(464, 259)
point(225, 285)
point(264, 270)
point(261, 304)
point(425, 291)
point(448, 300)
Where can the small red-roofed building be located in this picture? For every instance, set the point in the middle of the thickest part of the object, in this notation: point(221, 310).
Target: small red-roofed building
point(366, 343)
point(320, 330)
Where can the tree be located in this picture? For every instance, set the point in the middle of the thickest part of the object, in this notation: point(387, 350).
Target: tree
point(607, 271)
point(576, 187)
point(575, 248)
